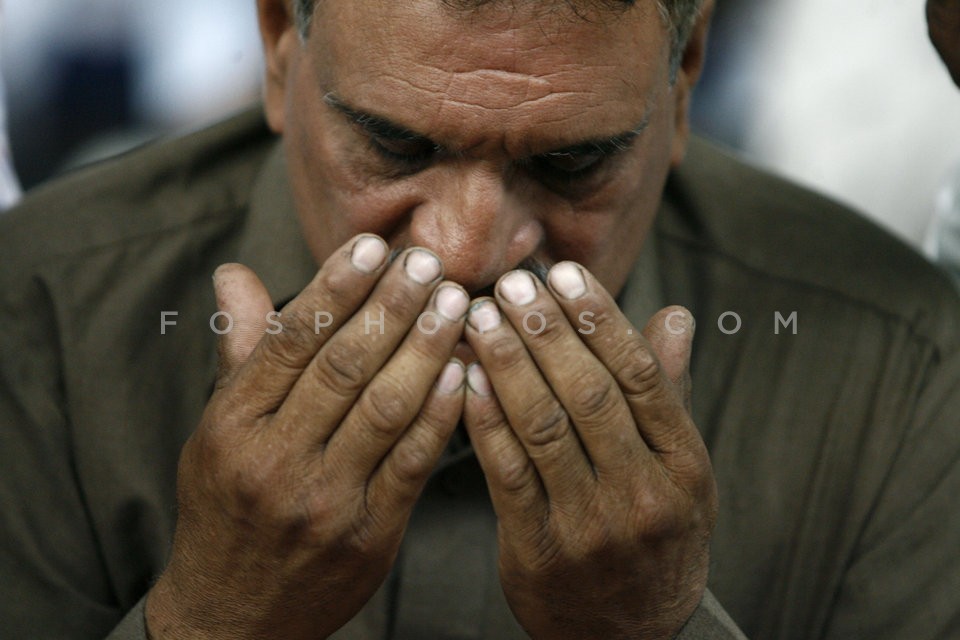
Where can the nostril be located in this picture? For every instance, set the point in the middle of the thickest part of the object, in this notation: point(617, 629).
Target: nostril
point(485, 292)
point(537, 267)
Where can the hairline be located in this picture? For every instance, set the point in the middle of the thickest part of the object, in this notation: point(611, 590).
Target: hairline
point(680, 21)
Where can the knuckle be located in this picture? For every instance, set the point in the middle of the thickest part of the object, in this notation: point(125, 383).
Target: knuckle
point(286, 351)
point(386, 408)
point(297, 328)
point(411, 463)
point(515, 475)
point(296, 343)
point(340, 366)
point(253, 483)
point(313, 516)
point(334, 285)
point(594, 395)
point(223, 415)
point(639, 372)
point(505, 352)
point(658, 516)
point(544, 423)
point(367, 535)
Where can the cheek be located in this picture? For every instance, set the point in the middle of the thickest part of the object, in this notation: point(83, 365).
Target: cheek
point(334, 200)
point(385, 212)
point(607, 235)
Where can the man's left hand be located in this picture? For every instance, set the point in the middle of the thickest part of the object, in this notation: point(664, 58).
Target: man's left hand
point(602, 485)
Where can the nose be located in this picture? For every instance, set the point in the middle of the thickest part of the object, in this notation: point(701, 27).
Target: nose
point(478, 223)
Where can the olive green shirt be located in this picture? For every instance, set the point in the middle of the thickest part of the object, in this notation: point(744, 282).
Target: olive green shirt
point(832, 412)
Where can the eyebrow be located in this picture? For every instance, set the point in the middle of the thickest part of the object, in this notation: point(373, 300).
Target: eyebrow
point(374, 125)
point(383, 128)
point(604, 146)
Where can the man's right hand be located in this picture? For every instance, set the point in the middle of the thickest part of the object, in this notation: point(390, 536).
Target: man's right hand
point(296, 487)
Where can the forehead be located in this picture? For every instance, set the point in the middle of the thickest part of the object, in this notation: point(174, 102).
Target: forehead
point(515, 71)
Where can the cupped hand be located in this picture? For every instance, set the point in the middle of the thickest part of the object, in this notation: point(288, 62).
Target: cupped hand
point(602, 485)
point(296, 487)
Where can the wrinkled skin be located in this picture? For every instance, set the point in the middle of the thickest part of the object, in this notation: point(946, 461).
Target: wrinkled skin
point(486, 137)
point(494, 89)
point(295, 488)
point(601, 484)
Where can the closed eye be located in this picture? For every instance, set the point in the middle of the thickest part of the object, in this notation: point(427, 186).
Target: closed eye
point(581, 161)
point(410, 153)
point(570, 165)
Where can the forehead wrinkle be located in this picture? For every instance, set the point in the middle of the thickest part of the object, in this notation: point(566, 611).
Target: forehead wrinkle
point(502, 84)
point(487, 88)
point(517, 130)
point(496, 90)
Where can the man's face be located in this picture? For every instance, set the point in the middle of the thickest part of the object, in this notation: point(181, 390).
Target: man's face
point(488, 136)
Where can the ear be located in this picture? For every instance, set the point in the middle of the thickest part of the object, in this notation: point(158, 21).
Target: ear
point(281, 43)
point(691, 65)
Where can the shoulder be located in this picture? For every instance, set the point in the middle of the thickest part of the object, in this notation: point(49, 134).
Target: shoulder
point(777, 236)
point(157, 189)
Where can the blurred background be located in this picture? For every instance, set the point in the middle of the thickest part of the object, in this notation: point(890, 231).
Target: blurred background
point(846, 97)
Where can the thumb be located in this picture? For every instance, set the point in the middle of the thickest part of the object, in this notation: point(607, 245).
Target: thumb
point(670, 333)
point(244, 305)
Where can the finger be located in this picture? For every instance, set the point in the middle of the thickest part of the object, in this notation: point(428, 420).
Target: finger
point(656, 405)
point(398, 482)
point(332, 383)
point(670, 333)
point(395, 396)
point(516, 491)
point(585, 388)
point(341, 285)
point(245, 305)
point(531, 409)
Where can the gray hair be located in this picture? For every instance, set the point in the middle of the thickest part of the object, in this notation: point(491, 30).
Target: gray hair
point(680, 16)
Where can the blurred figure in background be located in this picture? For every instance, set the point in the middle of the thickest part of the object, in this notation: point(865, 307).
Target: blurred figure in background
point(943, 22)
point(943, 240)
point(91, 78)
point(854, 104)
point(9, 188)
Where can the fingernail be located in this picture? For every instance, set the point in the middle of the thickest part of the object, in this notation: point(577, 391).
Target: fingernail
point(518, 288)
point(452, 303)
point(422, 267)
point(484, 316)
point(566, 279)
point(368, 254)
point(478, 381)
point(451, 378)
